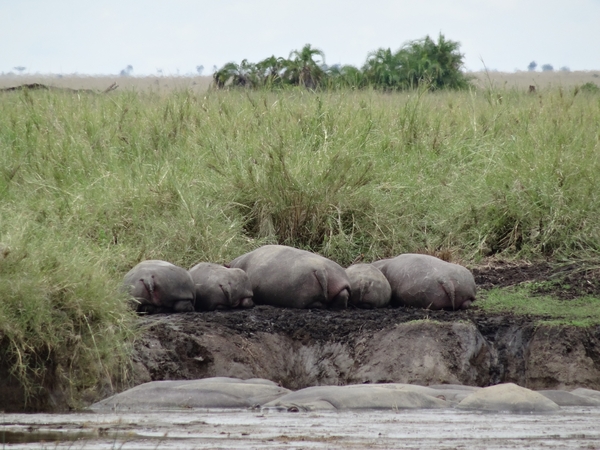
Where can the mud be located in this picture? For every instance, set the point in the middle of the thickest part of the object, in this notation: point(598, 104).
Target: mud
point(246, 429)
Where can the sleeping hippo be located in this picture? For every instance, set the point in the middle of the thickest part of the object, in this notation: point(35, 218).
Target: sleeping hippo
point(160, 287)
point(218, 287)
point(369, 287)
point(424, 281)
point(289, 277)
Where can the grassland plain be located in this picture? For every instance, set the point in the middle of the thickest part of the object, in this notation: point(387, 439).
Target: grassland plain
point(92, 184)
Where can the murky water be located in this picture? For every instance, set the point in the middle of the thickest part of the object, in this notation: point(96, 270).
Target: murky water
point(235, 429)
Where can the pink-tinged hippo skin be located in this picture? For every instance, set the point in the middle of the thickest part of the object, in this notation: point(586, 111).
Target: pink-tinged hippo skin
point(424, 281)
point(369, 287)
point(218, 287)
point(160, 287)
point(293, 278)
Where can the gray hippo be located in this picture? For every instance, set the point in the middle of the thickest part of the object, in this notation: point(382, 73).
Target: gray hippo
point(425, 281)
point(289, 277)
point(369, 287)
point(160, 287)
point(218, 287)
point(218, 392)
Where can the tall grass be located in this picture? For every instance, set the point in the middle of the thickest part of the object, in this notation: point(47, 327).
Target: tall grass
point(92, 184)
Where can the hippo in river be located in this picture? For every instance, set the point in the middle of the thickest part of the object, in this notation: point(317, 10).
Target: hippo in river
point(289, 277)
point(160, 287)
point(425, 281)
point(369, 287)
point(218, 287)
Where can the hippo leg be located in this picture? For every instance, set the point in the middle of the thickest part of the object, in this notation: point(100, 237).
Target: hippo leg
point(247, 303)
point(183, 306)
point(147, 309)
point(340, 301)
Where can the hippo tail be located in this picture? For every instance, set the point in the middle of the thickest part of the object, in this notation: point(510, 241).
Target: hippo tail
point(149, 286)
point(227, 293)
point(321, 277)
point(450, 292)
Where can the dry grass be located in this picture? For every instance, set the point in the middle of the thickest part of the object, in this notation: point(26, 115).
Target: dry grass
point(517, 80)
point(100, 83)
point(541, 80)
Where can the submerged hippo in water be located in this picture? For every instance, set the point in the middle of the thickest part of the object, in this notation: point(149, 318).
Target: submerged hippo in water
point(218, 287)
point(424, 281)
point(160, 287)
point(369, 287)
point(289, 277)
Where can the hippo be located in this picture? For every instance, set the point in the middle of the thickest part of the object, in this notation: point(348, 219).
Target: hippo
point(160, 287)
point(369, 287)
point(356, 397)
point(218, 287)
point(217, 392)
point(289, 277)
point(425, 281)
point(508, 397)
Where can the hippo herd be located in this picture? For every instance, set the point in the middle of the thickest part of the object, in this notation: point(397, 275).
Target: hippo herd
point(224, 392)
point(284, 276)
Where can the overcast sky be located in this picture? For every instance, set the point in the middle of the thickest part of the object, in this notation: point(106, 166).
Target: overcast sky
point(176, 36)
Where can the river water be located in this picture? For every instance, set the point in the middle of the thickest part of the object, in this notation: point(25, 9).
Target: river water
point(572, 427)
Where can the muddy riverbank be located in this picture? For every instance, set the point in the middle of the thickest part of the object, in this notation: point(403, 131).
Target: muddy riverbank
point(236, 429)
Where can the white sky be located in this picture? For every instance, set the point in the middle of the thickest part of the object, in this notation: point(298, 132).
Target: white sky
point(104, 36)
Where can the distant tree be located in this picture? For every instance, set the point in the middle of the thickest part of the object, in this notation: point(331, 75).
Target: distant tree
point(382, 69)
point(302, 69)
point(270, 70)
point(20, 69)
point(565, 69)
point(437, 64)
point(547, 68)
point(240, 75)
point(200, 69)
point(532, 66)
point(126, 71)
point(347, 76)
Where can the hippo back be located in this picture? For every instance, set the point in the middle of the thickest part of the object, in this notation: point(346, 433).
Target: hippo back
point(289, 277)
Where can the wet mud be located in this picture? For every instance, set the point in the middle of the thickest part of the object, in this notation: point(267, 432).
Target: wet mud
point(247, 429)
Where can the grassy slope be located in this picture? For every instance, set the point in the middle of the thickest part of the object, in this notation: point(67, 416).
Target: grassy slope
point(92, 184)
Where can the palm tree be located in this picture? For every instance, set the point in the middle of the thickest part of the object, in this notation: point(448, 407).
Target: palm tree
point(270, 70)
point(302, 69)
point(382, 69)
point(438, 64)
point(242, 75)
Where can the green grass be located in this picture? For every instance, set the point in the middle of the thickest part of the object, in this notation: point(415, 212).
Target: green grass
point(582, 312)
point(92, 184)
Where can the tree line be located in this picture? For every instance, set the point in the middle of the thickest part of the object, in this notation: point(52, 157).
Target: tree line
point(437, 65)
